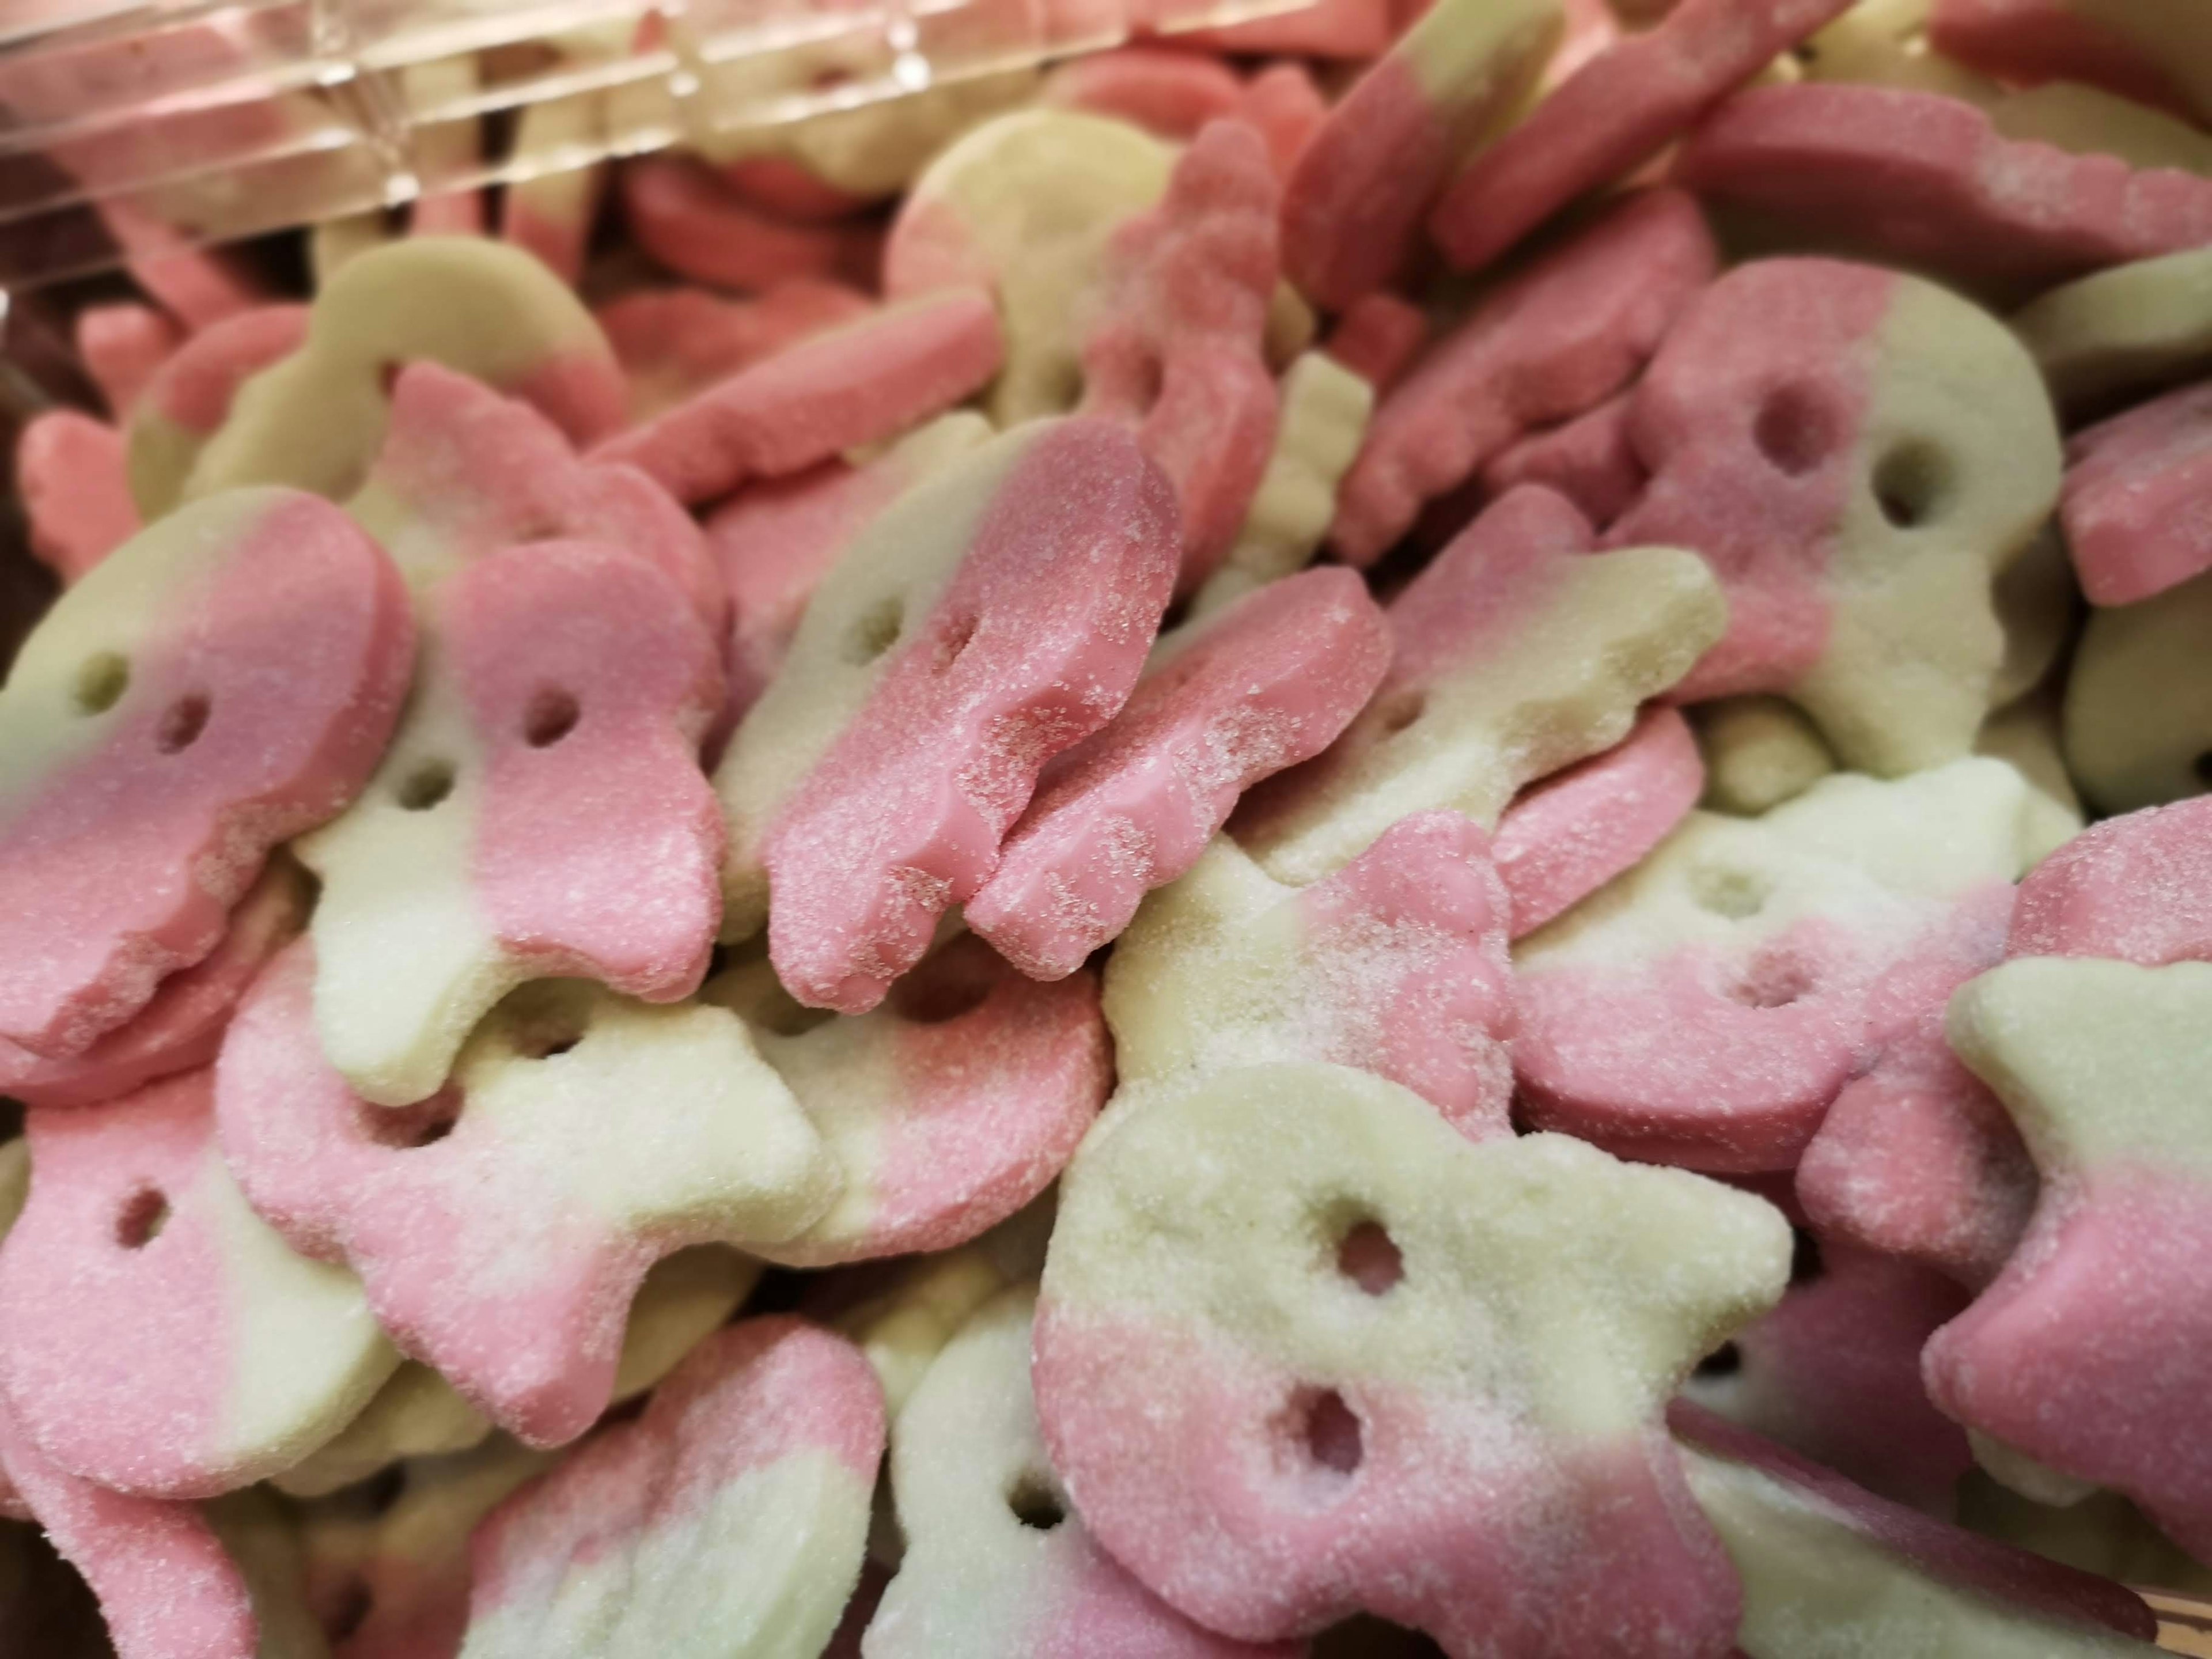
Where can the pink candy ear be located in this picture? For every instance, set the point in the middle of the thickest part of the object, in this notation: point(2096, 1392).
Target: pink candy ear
point(760, 1448)
point(685, 216)
point(189, 397)
point(70, 471)
point(2135, 889)
point(1175, 348)
point(1268, 683)
point(225, 680)
point(675, 342)
point(1549, 344)
point(835, 391)
point(2138, 503)
point(1919, 177)
point(1566, 836)
point(1033, 643)
point(1623, 108)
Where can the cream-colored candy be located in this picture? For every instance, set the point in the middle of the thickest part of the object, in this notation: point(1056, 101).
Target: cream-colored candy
point(2139, 703)
point(905, 1328)
point(878, 148)
point(1885, 43)
point(2123, 329)
point(2027, 734)
point(1759, 752)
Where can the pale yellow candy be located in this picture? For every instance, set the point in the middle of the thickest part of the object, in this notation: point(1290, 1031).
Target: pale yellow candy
point(2012, 1468)
point(903, 1330)
point(2089, 121)
point(1039, 192)
point(2026, 734)
point(2125, 329)
point(15, 1181)
point(317, 418)
point(336, 243)
point(1759, 752)
point(1815, 1587)
point(2102, 1534)
point(1612, 629)
point(2037, 603)
point(2170, 34)
point(877, 148)
point(1885, 43)
point(2139, 703)
point(263, 1537)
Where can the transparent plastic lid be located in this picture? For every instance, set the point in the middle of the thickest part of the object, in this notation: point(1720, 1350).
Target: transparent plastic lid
point(128, 127)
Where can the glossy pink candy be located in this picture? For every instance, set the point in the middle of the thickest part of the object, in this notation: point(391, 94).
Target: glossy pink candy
point(1622, 109)
point(562, 1569)
point(2137, 509)
point(181, 1028)
point(70, 473)
point(1922, 178)
point(1590, 459)
point(675, 342)
point(1566, 837)
point(835, 391)
point(1547, 345)
point(1035, 642)
point(1266, 683)
point(681, 214)
point(1174, 345)
point(245, 704)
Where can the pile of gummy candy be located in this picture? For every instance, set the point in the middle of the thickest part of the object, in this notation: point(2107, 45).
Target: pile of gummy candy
point(1272, 846)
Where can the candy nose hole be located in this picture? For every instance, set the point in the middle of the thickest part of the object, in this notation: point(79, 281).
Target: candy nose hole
point(1334, 1437)
point(1370, 1258)
point(552, 716)
point(145, 1213)
point(182, 725)
point(1794, 430)
point(101, 683)
point(1034, 1504)
point(1909, 485)
point(425, 785)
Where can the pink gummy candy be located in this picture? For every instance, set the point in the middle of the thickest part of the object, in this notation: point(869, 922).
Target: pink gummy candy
point(2137, 508)
point(1172, 94)
point(2135, 888)
point(1379, 338)
point(1917, 177)
point(71, 474)
point(780, 185)
point(1590, 459)
point(181, 1028)
point(1550, 344)
point(836, 390)
point(1990, 1571)
point(1035, 643)
point(196, 385)
point(246, 701)
point(1620, 110)
point(122, 347)
point(1287, 108)
point(687, 218)
point(2035, 40)
point(1916, 1159)
point(167, 1587)
point(1267, 683)
point(1564, 838)
point(1834, 1374)
point(675, 342)
point(763, 1393)
point(1174, 348)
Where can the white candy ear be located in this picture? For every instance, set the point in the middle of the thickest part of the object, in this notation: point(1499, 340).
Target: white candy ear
point(2138, 704)
point(2126, 330)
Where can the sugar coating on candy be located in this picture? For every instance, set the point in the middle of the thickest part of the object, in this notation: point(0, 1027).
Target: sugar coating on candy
point(1172, 342)
point(2082, 1354)
point(1833, 1373)
point(222, 681)
point(676, 342)
point(1396, 963)
point(317, 418)
point(2133, 889)
point(1759, 752)
point(1284, 103)
point(996, 1564)
point(1831, 1571)
point(502, 1226)
point(1547, 344)
point(2146, 52)
point(1707, 1006)
point(997, 616)
point(122, 346)
point(70, 475)
point(1273, 1422)
point(1352, 208)
point(1590, 459)
point(180, 1029)
point(1025, 205)
point(1378, 338)
point(774, 541)
point(1624, 106)
point(731, 1516)
point(2138, 507)
point(1859, 455)
point(2124, 330)
point(1917, 177)
point(1266, 683)
point(1168, 93)
point(947, 1108)
point(160, 1338)
point(868, 380)
point(1518, 652)
point(2138, 709)
point(683, 215)
point(1916, 1159)
point(190, 397)
point(1570, 834)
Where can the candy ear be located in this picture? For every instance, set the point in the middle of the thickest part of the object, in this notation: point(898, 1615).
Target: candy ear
point(136, 1246)
point(222, 680)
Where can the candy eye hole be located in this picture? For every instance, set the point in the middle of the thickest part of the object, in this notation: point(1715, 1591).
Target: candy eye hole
point(1737, 895)
point(1370, 1258)
point(1034, 1504)
point(1774, 980)
point(1794, 430)
point(145, 1214)
point(1330, 1431)
point(1910, 483)
point(182, 723)
point(877, 630)
point(552, 716)
point(423, 787)
point(100, 683)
